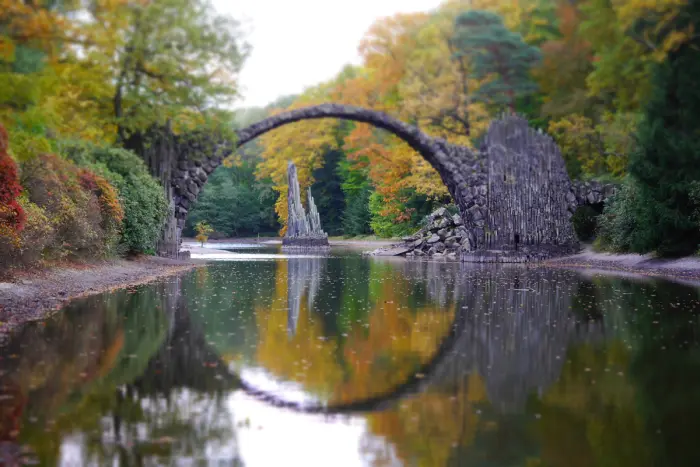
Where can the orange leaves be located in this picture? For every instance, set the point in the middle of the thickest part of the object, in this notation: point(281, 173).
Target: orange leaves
point(386, 46)
point(32, 23)
point(107, 195)
point(7, 50)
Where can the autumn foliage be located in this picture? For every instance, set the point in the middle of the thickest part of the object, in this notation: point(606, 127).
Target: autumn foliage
point(64, 211)
point(12, 215)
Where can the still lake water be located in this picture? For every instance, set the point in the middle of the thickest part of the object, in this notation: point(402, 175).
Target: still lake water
point(268, 360)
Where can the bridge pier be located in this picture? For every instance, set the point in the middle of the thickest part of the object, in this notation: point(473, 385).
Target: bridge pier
point(182, 164)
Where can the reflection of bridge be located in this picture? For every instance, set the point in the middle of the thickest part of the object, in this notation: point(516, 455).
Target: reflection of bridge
point(512, 327)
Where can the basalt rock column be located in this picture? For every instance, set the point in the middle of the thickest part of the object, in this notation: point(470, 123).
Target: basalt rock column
point(303, 231)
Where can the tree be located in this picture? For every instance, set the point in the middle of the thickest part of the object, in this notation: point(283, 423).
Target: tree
point(234, 203)
point(592, 150)
point(567, 62)
point(667, 161)
point(169, 60)
point(203, 230)
point(328, 194)
point(498, 53)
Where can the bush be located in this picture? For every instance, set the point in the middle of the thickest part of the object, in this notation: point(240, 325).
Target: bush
point(141, 196)
point(110, 207)
point(386, 225)
point(145, 212)
point(11, 213)
point(52, 183)
point(585, 220)
point(620, 219)
point(37, 235)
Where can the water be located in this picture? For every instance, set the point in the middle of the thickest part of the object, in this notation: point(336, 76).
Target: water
point(343, 360)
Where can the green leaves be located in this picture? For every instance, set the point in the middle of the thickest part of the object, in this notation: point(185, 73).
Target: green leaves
point(235, 203)
point(496, 53)
point(141, 196)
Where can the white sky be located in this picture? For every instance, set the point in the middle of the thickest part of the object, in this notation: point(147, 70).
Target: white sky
point(299, 43)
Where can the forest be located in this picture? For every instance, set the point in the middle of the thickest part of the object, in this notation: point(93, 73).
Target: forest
point(613, 81)
point(609, 80)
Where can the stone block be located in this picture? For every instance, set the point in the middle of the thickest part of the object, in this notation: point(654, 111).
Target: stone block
point(433, 239)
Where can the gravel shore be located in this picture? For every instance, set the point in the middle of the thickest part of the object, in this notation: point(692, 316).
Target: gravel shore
point(686, 269)
point(34, 295)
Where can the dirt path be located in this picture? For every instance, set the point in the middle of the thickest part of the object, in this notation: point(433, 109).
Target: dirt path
point(34, 296)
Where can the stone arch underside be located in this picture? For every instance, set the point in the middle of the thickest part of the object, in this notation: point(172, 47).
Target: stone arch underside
point(514, 187)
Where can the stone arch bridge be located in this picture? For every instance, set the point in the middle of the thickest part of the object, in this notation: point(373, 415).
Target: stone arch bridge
point(514, 194)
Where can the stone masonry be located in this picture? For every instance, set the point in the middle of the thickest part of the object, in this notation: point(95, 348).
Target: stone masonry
point(514, 195)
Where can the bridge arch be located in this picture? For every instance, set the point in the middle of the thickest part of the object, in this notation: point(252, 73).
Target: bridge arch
point(514, 194)
point(190, 174)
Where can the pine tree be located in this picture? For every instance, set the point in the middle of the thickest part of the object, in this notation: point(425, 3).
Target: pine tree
point(493, 50)
point(667, 161)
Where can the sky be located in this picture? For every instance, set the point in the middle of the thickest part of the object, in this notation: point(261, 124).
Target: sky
point(299, 43)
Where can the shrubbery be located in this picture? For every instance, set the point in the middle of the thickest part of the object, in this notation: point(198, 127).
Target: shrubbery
point(110, 207)
point(11, 213)
point(416, 207)
point(52, 183)
point(96, 203)
point(619, 221)
point(141, 196)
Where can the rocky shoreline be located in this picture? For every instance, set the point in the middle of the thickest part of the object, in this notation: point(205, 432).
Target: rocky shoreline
point(444, 236)
point(34, 295)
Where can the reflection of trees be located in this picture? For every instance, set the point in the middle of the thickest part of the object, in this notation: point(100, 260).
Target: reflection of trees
point(629, 400)
point(221, 300)
point(517, 326)
point(525, 378)
point(186, 425)
point(66, 372)
point(379, 349)
point(175, 409)
point(661, 332)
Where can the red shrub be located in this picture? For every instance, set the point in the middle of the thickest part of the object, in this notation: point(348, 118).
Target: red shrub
point(11, 213)
point(107, 195)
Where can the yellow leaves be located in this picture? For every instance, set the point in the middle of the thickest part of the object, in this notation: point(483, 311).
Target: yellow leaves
point(598, 149)
point(629, 11)
point(386, 45)
point(32, 24)
point(26, 145)
point(79, 97)
point(657, 39)
point(7, 49)
point(306, 357)
point(304, 143)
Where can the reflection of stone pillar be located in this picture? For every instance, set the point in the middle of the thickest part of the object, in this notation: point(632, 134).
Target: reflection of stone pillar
point(303, 231)
point(303, 275)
